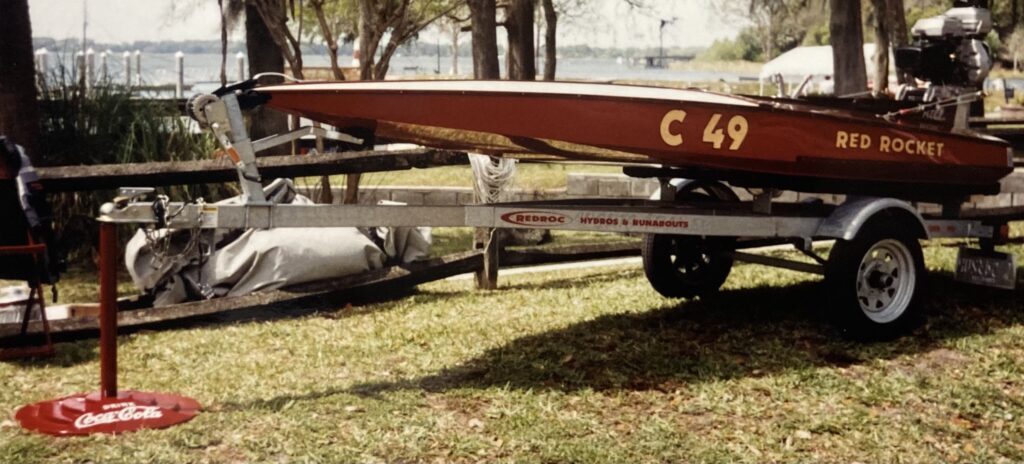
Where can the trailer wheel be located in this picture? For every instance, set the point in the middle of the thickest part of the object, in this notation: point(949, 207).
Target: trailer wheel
point(875, 279)
point(680, 266)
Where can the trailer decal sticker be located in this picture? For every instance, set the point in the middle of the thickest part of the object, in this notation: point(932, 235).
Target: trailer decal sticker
point(602, 221)
point(209, 216)
point(594, 220)
point(536, 218)
point(661, 223)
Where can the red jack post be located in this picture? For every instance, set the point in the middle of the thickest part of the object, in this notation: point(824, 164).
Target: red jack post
point(109, 410)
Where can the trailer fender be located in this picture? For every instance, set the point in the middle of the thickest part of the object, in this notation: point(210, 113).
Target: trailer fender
point(846, 221)
point(716, 189)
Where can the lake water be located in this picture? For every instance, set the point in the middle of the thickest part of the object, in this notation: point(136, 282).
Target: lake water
point(203, 70)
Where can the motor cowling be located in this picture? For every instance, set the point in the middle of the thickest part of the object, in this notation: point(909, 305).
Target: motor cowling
point(949, 49)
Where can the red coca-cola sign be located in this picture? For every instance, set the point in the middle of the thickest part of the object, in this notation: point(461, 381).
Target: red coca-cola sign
point(91, 413)
point(123, 413)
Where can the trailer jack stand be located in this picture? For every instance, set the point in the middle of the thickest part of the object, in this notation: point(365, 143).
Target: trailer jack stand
point(109, 410)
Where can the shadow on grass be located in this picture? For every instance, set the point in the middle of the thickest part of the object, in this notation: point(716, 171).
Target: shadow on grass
point(599, 276)
point(66, 355)
point(741, 333)
point(81, 347)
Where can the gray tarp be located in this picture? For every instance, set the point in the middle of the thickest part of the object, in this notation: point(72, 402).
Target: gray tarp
point(247, 261)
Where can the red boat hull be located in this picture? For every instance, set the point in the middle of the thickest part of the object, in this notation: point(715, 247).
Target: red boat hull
point(686, 129)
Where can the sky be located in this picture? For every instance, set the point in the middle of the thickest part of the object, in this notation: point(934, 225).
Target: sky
point(121, 21)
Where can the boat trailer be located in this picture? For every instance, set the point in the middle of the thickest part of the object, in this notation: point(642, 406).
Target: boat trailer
point(692, 237)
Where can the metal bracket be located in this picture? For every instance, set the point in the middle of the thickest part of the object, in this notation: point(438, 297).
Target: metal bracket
point(667, 190)
point(763, 201)
point(807, 249)
point(224, 116)
point(777, 262)
point(281, 139)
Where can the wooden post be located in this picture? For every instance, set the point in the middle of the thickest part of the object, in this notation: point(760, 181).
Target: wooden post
point(487, 277)
point(487, 238)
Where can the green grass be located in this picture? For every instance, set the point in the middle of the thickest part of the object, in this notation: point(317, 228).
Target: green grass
point(586, 365)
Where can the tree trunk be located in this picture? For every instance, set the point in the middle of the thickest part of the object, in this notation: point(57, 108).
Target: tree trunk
point(898, 23)
point(223, 44)
point(550, 39)
point(384, 64)
point(900, 35)
point(264, 56)
point(485, 39)
point(1014, 12)
point(847, 47)
point(368, 40)
point(328, 35)
point(521, 64)
point(275, 19)
point(883, 31)
point(19, 118)
point(456, 30)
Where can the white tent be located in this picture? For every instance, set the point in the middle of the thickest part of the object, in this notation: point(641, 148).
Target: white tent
point(798, 63)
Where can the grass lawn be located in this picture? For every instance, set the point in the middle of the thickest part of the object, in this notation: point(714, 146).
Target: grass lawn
point(586, 365)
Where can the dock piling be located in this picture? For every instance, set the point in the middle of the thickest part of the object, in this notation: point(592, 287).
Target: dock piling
point(179, 67)
point(138, 68)
point(42, 66)
point(80, 68)
point(127, 56)
point(104, 74)
point(90, 69)
point(240, 59)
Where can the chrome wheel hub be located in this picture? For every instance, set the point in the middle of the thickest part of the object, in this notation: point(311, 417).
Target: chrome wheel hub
point(886, 280)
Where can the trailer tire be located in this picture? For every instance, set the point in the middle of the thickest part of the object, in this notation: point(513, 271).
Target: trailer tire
point(664, 256)
point(875, 280)
point(680, 266)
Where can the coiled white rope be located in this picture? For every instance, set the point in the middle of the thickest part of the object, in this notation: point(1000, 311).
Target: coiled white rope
point(491, 176)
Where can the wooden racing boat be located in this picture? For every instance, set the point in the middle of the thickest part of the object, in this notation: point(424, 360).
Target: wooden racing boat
point(746, 141)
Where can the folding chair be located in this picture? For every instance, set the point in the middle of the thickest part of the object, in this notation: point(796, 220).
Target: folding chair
point(37, 252)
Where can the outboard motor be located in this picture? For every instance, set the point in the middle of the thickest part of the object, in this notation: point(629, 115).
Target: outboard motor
point(949, 51)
